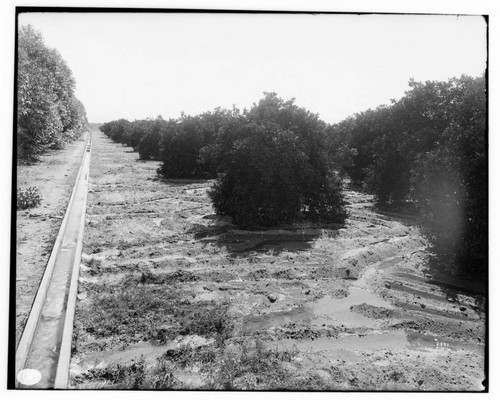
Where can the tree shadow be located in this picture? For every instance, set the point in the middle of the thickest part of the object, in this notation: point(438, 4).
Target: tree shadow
point(182, 181)
point(178, 182)
point(402, 212)
point(244, 243)
point(453, 276)
point(145, 161)
point(455, 281)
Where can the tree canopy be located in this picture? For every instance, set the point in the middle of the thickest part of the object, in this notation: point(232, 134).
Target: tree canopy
point(428, 148)
point(273, 167)
point(271, 162)
point(48, 113)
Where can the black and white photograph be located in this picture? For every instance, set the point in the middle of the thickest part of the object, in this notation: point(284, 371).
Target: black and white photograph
point(216, 200)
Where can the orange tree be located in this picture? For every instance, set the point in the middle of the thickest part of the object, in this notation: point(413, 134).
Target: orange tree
point(273, 167)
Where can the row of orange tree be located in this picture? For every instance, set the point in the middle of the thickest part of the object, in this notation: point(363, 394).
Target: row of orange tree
point(429, 151)
point(271, 162)
point(278, 163)
point(48, 113)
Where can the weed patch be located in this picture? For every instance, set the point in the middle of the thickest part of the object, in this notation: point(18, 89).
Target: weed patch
point(28, 198)
point(153, 313)
point(251, 366)
point(137, 375)
point(94, 264)
point(186, 356)
point(150, 278)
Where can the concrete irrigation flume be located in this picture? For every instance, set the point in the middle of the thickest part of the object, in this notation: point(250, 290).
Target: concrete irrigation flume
point(43, 353)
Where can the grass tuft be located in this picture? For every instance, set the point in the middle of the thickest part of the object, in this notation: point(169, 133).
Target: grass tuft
point(28, 198)
point(137, 375)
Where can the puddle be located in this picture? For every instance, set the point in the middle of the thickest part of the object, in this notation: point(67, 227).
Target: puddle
point(277, 233)
point(207, 296)
point(377, 341)
point(265, 244)
point(328, 311)
point(174, 257)
point(421, 340)
point(278, 318)
point(134, 352)
point(410, 277)
point(385, 264)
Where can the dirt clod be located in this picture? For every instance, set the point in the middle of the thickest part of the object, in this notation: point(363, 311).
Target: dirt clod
point(272, 298)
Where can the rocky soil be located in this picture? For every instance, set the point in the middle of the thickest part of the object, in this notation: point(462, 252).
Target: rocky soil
point(172, 296)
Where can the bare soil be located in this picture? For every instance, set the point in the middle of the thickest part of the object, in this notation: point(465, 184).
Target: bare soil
point(36, 228)
point(173, 296)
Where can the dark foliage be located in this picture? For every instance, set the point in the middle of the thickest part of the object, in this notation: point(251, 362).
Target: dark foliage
point(271, 162)
point(450, 182)
point(116, 130)
point(149, 144)
point(183, 143)
point(428, 148)
point(48, 114)
point(273, 167)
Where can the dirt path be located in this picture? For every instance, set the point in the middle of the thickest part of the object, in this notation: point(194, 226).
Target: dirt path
point(37, 228)
point(307, 307)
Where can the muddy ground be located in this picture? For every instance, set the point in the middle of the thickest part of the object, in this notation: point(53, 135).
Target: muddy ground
point(36, 228)
point(172, 296)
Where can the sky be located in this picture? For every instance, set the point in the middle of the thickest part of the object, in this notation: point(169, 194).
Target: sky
point(137, 66)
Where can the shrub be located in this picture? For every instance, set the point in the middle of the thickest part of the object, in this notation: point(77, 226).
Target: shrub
point(28, 198)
